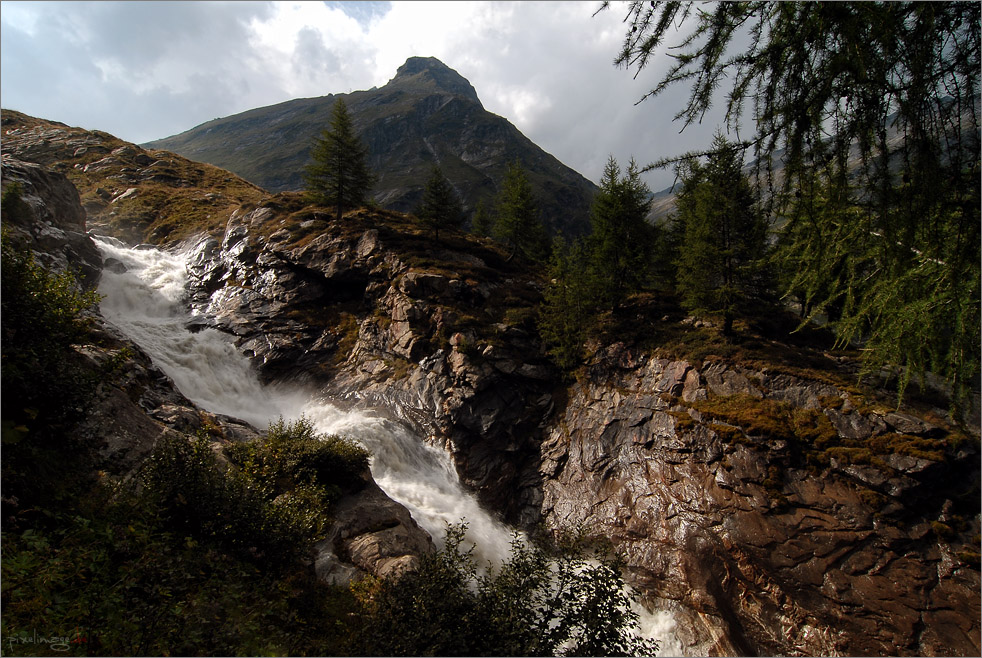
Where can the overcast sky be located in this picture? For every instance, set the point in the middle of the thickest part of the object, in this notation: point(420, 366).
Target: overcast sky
point(146, 70)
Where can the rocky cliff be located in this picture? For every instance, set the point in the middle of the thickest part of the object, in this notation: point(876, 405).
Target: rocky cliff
point(775, 514)
point(769, 502)
point(371, 311)
point(135, 405)
point(427, 115)
point(774, 509)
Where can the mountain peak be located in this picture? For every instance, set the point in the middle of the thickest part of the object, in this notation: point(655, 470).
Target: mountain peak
point(439, 73)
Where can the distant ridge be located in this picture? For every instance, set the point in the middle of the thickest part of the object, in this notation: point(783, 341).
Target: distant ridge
point(427, 114)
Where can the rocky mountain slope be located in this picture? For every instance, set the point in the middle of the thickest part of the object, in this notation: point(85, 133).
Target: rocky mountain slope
point(753, 488)
point(427, 114)
point(135, 405)
point(136, 194)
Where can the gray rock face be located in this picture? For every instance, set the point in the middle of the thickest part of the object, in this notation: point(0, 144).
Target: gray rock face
point(753, 552)
point(135, 405)
point(54, 224)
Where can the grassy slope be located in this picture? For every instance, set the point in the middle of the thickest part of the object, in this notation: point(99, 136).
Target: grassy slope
point(175, 197)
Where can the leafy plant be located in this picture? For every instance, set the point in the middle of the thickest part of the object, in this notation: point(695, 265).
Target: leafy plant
point(195, 496)
point(540, 602)
point(292, 453)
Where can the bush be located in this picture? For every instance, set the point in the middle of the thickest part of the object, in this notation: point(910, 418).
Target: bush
point(292, 454)
point(194, 496)
point(45, 390)
point(120, 582)
point(539, 602)
point(42, 317)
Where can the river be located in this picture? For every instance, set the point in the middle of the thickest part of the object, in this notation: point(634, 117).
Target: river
point(146, 302)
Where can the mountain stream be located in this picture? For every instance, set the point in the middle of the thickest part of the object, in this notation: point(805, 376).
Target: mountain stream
point(145, 303)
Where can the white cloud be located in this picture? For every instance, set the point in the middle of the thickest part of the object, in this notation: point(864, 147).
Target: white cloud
point(144, 70)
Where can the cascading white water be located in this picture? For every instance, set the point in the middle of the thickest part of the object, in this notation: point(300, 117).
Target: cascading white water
point(145, 303)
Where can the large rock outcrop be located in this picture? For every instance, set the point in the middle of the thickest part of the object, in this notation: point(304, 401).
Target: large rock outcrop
point(343, 306)
point(46, 213)
point(759, 542)
point(135, 405)
point(772, 511)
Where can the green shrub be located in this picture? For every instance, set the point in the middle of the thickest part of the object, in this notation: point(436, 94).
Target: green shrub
point(196, 497)
point(539, 602)
point(45, 389)
point(121, 582)
point(293, 453)
point(42, 317)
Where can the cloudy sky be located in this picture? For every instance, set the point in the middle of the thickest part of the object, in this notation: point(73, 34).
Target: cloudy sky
point(146, 70)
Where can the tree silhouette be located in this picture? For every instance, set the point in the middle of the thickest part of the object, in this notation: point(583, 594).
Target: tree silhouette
point(440, 207)
point(338, 175)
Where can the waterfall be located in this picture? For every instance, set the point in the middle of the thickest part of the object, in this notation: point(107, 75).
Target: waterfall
point(145, 302)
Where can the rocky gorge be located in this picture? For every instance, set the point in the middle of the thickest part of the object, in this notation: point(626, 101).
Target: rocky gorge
point(772, 506)
point(772, 512)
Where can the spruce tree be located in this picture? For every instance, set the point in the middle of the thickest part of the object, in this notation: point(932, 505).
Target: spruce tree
point(569, 306)
point(339, 175)
point(721, 262)
point(482, 224)
point(518, 221)
point(622, 241)
point(440, 207)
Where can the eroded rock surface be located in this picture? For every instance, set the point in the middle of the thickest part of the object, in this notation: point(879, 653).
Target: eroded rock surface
point(770, 512)
point(338, 307)
point(757, 549)
point(51, 219)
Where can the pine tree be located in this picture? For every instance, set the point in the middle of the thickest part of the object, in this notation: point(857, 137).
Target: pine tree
point(518, 221)
point(339, 175)
point(440, 207)
point(482, 224)
point(569, 306)
point(622, 241)
point(721, 264)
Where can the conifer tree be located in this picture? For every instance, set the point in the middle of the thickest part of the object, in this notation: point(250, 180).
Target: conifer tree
point(569, 305)
point(622, 240)
point(440, 207)
point(482, 224)
point(518, 221)
point(721, 262)
point(339, 175)
point(881, 101)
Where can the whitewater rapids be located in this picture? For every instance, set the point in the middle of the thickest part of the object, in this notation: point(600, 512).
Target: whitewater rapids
point(146, 303)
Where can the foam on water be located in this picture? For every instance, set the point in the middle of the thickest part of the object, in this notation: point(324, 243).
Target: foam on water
point(145, 302)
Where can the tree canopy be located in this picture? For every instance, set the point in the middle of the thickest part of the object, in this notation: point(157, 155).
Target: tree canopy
point(621, 240)
point(440, 207)
point(540, 602)
point(518, 222)
point(877, 103)
point(339, 175)
point(722, 258)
